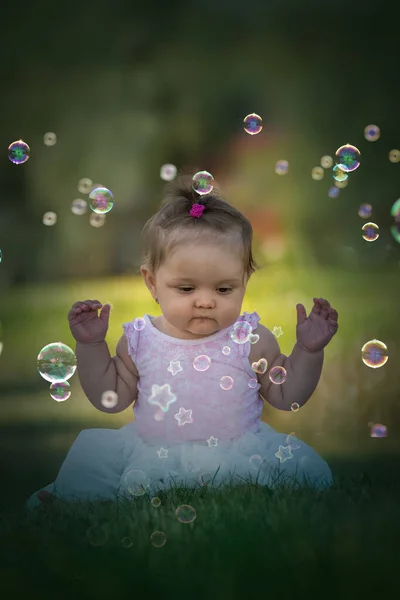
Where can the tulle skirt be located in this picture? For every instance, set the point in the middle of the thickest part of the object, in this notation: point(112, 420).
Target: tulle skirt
point(103, 464)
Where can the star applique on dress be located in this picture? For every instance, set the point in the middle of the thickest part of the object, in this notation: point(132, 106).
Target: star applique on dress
point(184, 416)
point(162, 396)
point(284, 453)
point(174, 367)
point(162, 453)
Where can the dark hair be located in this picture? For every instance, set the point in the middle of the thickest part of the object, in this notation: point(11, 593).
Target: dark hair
point(172, 224)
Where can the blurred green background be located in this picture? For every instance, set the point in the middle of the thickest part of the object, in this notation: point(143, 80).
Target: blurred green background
point(129, 87)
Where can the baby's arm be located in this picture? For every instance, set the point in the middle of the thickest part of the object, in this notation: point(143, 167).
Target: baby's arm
point(99, 373)
point(303, 371)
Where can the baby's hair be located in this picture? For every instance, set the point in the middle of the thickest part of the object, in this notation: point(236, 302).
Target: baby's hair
point(172, 224)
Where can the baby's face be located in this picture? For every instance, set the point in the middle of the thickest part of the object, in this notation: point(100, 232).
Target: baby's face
point(200, 290)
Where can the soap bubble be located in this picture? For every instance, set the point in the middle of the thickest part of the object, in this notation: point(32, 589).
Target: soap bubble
point(333, 191)
point(79, 206)
point(136, 482)
point(101, 200)
point(18, 152)
point(109, 399)
point(202, 362)
point(155, 501)
point(277, 375)
point(348, 158)
point(394, 156)
point(260, 367)
point(241, 332)
point(374, 354)
point(50, 138)
point(281, 167)
point(342, 184)
point(49, 218)
point(56, 362)
point(317, 173)
point(226, 383)
point(185, 513)
point(365, 211)
point(372, 133)
point(339, 174)
point(158, 539)
point(370, 232)
point(168, 172)
point(253, 124)
point(97, 220)
point(378, 431)
point(85, 185)
point(326, 161)
point(202, 182)
point(60, 391)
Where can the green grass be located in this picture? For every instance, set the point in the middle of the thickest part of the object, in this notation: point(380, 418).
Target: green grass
point(245, 541)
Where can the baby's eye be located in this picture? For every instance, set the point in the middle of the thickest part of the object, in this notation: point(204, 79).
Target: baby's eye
point(185, 289)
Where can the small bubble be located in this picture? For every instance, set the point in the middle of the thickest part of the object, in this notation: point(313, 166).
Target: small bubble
point(374, 354)
point(18, 152)
point(365, 211)
point(253, 124)
point(277, 375)
point(101, 200)
point(185, 513)
point(97, 220)
point(60, 391)
point(317, 173)
point(372, 133)
point(79, 206)
point(50, 138)
point(281, 167)
point(109, 399)
point(158, 539)
point(348, 158)
point(85, 185)
point(49, 218)
point(202, 182)
point(168, 172)
point(226, 383)
point(339, 174)
point(333, 191)
point(394, 156)
point(326, 161)
point(370, 232)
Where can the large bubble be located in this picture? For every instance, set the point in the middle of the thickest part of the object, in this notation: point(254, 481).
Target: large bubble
point(56, 362)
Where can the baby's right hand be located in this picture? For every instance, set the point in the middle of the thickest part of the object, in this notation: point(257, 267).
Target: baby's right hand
point(85, 325)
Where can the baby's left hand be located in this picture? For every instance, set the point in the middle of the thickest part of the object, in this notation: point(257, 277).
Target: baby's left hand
point(316, 331)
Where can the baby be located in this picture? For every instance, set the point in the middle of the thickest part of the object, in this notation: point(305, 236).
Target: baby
point(198, 373)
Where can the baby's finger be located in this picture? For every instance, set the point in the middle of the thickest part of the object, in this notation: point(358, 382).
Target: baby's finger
point(333, 315)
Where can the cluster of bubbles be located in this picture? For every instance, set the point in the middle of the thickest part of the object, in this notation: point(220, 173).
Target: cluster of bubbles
point(56, 363)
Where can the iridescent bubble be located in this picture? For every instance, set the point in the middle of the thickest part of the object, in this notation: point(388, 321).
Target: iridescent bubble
point(185, 513)
point(365, 211)
point(281, 167)
point(226, 350)
point(256, 461)
point(370, 232)
point(85, 185)
point(341, 184)
point(168, 172)
point(126, 542)
point(50, 138)
point(97, 535)
point(97, 220)
point(18, 152)
point(241, 332)
point(101, 200)
point(339, 174)
point(253, 124)
point(317, 173)
point(372, 133)
point(109, 399)
point(139, 324)
point(292, 441)
point(294, 407)
point(78, 206)
point(136, 482)
point(155, 501)
point(326, 161)
point(1, 256)
point(333, 192)
point(277, 375)
point(202, 362)
point(60, 391)
point(226, 383)
point(254, 338)
point(49, 218)
point(253, 382)
point(394, 156)
point(348, 158)
point(378, 431)
point(158, 539)
point(260, 366)
point(374, 354)
point(56, 362)
point(203, 182)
